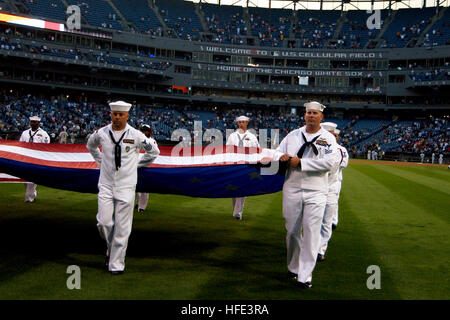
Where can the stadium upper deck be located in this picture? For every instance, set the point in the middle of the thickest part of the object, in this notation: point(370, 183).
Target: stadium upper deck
point(254, 26)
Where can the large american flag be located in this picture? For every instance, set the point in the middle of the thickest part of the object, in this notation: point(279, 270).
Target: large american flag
point(209, 172)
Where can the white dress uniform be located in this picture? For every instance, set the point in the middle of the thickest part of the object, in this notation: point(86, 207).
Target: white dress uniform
point(331, 208)
point(117, 185)
point(374, 155)
point(342, 166)
point(422, 157)
point(38, 136)
point(441, 158)
point(241, 139)
point(142, 197)
point(369, 155)
point(433, 157)
point(304, 197)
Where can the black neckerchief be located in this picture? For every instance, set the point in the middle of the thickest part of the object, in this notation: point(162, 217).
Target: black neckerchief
point(117, 149)
point(32, 135)
point(308, 144)
point(241, 141)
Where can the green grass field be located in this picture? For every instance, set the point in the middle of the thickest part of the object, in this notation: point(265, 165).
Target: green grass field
point(396, 217)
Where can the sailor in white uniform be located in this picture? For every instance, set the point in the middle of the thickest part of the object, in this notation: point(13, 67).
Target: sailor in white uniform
point(342, 166)
point(241, 138)
point(118, 164)
point(35, 135)
point(142, 197)
point(441, 158)
point(310, 152)
point(334, 186)
point(375, 154)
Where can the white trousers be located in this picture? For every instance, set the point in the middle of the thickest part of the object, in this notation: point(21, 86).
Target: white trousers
point(115, 219)
point(142, 200)
point(303, 213)
point(330, 213)
point(238, 206)
point(336, 215)
point(30, 192)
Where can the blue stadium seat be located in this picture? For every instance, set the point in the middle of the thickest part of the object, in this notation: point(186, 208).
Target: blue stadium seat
point(139, 13)
point(407, 23)
point(227, 22)
point(271, 26)
point(315, 27)
point(439, 33)
point(181, 17)
point(355, 30)
point(48, 9)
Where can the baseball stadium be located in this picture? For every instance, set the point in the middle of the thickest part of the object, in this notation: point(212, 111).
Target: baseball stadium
point(116, 125)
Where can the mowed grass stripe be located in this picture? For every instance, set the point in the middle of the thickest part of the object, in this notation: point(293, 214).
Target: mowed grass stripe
point(255, 265)
point(357, 215)
point(412, 244)
point(411, 175)
point(431, 201)
point(439, 173)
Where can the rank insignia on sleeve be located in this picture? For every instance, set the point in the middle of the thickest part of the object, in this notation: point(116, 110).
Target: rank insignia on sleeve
point(146, 146)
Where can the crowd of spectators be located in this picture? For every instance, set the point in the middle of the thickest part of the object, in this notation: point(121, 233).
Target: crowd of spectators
point(431, 135)
point(268, 33)
point(79, 119)
point(316, 35)
point(435, 75)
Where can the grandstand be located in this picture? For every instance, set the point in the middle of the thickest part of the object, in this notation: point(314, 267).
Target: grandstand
point(183, 61)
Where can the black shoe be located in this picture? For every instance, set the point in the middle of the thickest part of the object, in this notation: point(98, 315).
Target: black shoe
point(292, 276)
point(333, 226)
point(304, 285)
point(116, 273)
point(140, 210)
point(107, 262)
point(320, 258)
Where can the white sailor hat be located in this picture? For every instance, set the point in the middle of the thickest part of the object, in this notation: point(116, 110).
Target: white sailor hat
point(329, 126)
point(314, 105)
point(242, 118)
point(146, 126)
point(120, 106)
point(35, 118)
